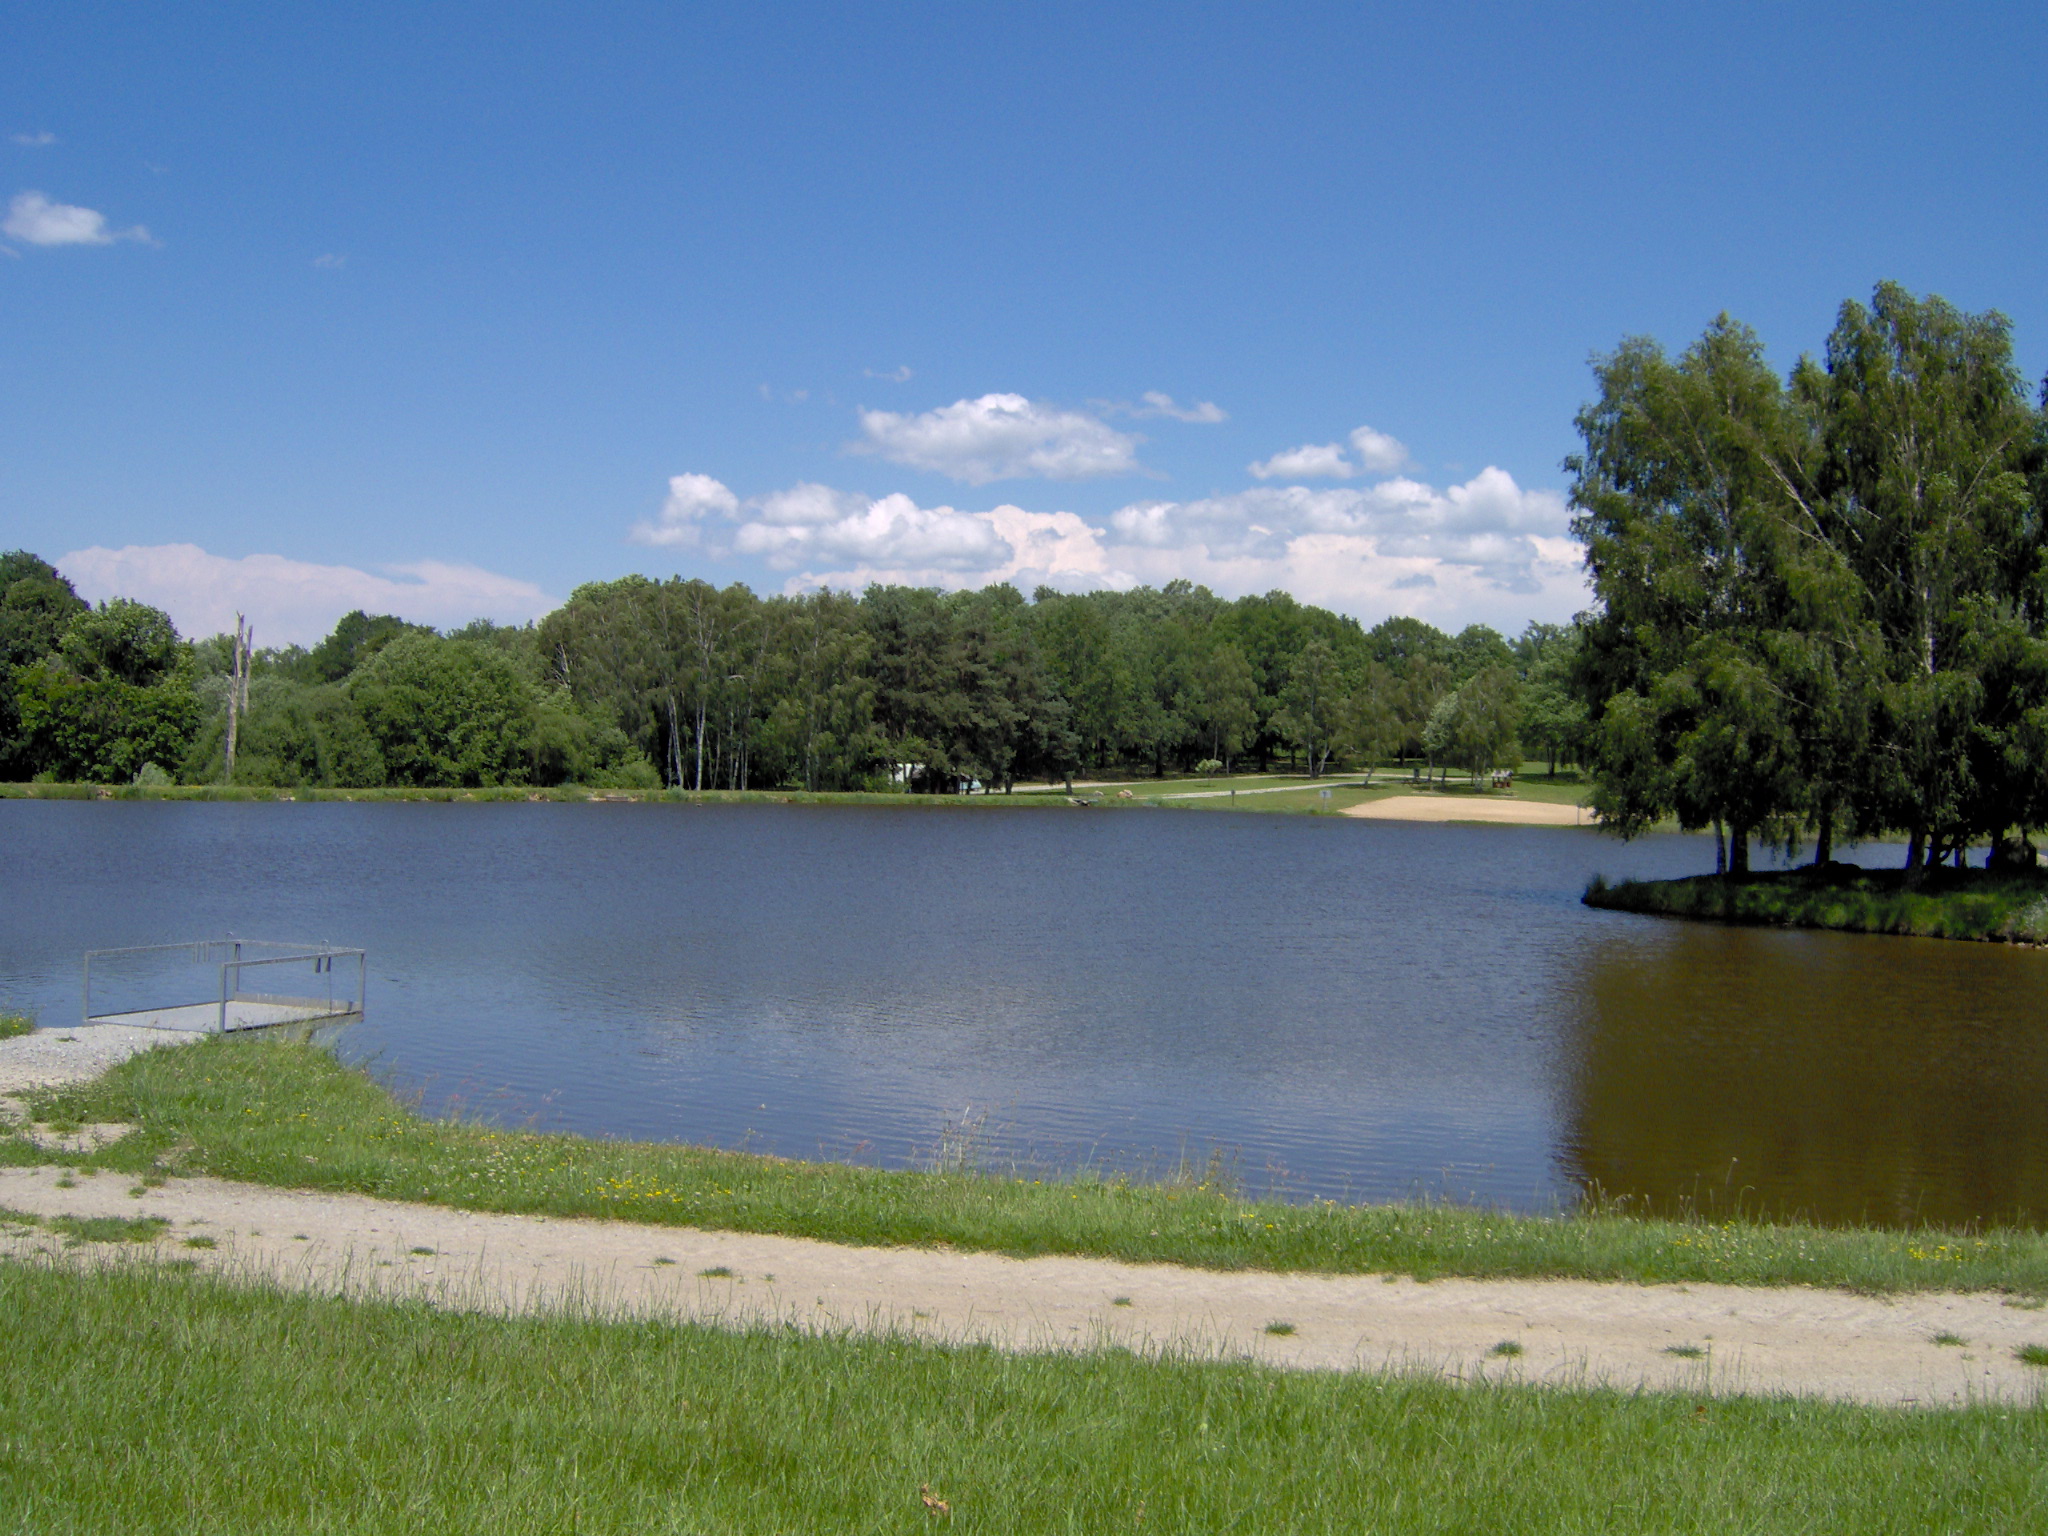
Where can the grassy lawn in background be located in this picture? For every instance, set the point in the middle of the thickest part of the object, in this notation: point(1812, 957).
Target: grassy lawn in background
point(139, 1399)
point(1269, 792)
point(286, 1114)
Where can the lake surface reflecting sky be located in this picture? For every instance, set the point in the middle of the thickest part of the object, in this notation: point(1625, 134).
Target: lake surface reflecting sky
point(1356, 1009)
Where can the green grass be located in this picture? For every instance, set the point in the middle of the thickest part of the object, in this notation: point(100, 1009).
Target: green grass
point(91, 1229)
point(13, 1024)
point(142, 1401)
point(1506, 1349)
point(2031, 1354)
point(287, 1114)
point(1999, 905)
point(1276, 794)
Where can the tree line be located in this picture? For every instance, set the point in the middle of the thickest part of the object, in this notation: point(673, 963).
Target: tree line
point(680, 683)
point(1821, 602)
point(1820, 610)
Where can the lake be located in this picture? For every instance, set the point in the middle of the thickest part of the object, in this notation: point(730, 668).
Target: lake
point(1352, 1009)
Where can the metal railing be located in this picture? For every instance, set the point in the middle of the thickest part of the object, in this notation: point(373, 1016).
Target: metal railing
point(231, 1005)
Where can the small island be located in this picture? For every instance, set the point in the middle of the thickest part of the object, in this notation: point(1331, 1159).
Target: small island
point(1999, 905)
point(1817, 617)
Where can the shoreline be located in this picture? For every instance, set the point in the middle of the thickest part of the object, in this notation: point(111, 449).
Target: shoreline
point(1353, 798)
point(291, 1115)
point(1980, 905)
point(1709, 1338)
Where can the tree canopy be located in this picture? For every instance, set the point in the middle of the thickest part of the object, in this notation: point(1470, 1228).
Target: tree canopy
point(1819, 602)
point(679, 682)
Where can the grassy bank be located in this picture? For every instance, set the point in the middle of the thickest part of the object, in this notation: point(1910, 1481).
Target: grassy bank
point(562, 794)
point(2000, 905)
point(269, 1412)
point(1274, 792)
point(273, 1412)
point(286, 1114)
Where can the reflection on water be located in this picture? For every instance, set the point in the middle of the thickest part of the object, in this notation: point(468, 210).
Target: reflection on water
point(1364, 1010)
point(1846, 1078)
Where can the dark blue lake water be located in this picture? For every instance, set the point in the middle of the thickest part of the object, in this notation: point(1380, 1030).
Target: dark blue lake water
point(1346, 1008)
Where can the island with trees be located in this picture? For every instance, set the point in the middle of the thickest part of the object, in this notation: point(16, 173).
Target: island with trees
point(1821, 614)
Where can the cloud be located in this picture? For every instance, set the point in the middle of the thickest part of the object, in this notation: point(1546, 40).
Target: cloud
point(295, 602)
point(1378, 452)
point(823, 536)
point(41, 140)
point(1157, 404)
point(1487, 531)
point(330, 261)
point(1484, 550)
point(1000, 437)
point(33, 218)
point(816, 525)
point(893, 541)
point(691, 499)
point(900, 375)
point(1311, 461)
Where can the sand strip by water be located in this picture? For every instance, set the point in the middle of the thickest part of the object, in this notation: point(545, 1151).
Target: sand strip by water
point(1752, 1340)
point(1527, 813)
point(1828, 1344)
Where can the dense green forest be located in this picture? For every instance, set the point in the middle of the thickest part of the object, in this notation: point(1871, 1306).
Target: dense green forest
point(1820, 610)
point(680, 683)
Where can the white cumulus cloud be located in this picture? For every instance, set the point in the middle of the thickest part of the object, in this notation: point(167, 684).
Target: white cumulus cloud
point(34, 219)
point(824, 536)
point(1377, 451)
point(1488, 533)
point(1311, 461)
point(816, 525)
point(1000, 437)
point(691, 499)
point(1484, 550)
point(295, 602)
point(1377, 454)
point(1158, 404)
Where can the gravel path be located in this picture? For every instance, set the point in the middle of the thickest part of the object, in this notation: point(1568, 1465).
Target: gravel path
point(1692, 1338)
point(50, 1058)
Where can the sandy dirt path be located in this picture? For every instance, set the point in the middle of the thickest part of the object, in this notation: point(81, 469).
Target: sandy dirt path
point(1527, 813)
point(1806, 1342)
point(1753, 1339)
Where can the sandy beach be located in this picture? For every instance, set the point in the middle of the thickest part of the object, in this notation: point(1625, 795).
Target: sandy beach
point(1526, 813)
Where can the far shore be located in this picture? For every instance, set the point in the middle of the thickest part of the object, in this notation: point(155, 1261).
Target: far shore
point(1524, 813)
point(1388, 798)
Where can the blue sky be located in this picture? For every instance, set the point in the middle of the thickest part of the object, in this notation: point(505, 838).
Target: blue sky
point(446, 309)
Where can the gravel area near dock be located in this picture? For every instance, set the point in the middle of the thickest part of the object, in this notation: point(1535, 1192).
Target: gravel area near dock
point(50, 1058)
